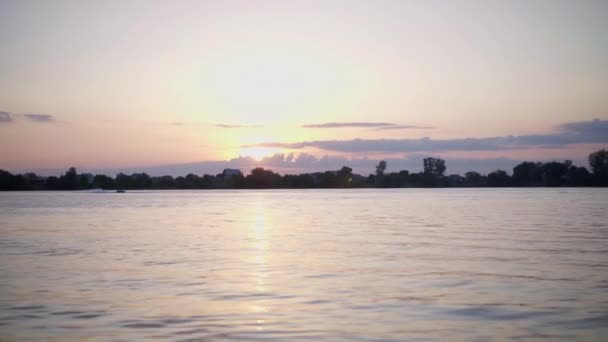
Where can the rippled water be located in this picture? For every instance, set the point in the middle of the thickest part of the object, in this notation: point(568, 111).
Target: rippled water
point(456, 264)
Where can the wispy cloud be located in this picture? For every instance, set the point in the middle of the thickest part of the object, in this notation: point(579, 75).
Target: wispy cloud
point(399, 127)
point(39, 117)
point(237, 126)
point(5, 117)
point(375, 125)
point(584, 132)
point(348, 124)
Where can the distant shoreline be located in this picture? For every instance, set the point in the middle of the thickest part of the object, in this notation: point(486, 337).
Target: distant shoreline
point(113, 191)
point(525, 175)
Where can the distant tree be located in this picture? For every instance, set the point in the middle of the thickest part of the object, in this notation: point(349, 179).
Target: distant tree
point(165, 182)
point(141, 181)
point(345, 177)
point(236, 181)
point(208, 181)
point(395, 179)
point(85, 180)
point(578, 176)
point(371, 179)
point(455, 180)
point(8, 181)
point(419, 180)
point(123, 181)
point(473, 178)
point(554, 173)
point(52, 183)
point(527, 174)
point(304, 180)
point(69, 181)
point(498, 178)
point(381, 167)
point(261, 178)
point(524, 174)
point(328, 179)
point(192, 181)
point(433, 169)
point(434, 166)
point(33, 181)
point(598, 161)
point(103, 182)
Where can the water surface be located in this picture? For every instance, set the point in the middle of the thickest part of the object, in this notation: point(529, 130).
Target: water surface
point(404, 264)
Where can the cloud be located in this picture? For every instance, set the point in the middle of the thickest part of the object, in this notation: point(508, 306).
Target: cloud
point(5, 117)
point(299, 163)
point(396, 127)
point(593, 130)
point(237, 126)
point(376, 125)
point(39, 117)
point(584, 132)
point(348, 124)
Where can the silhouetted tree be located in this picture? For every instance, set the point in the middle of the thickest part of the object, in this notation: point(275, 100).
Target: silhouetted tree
point(498, 178)
point(345, 177)
point(9, 181)
point(554, 173)
point(236, 181)
point(32, 181)
point(380, 169)
point(208, 181)
point(418, 180)
point(52, 183)
point(123, 181)
point(578, 176)
point(455, 180)
point(433, 169)
point(394, 179)
point(473, 178)
point(165, 182)
point(103, 182)
point(598, 161)
point(69, 181)
point(304, 180)
point(261, 178)
point(527, 174)
point(434, 166)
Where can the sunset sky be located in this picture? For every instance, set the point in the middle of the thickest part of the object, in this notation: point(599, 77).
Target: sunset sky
point(112, 85)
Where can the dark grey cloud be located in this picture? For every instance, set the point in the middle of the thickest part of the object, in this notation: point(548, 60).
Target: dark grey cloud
point(39, 117)
point(5, 117)
point(594, 130)
point(237, 126)
point(583, 132)
point(348, 124)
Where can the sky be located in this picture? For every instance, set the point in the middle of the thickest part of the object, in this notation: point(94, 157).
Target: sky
point(196, 86)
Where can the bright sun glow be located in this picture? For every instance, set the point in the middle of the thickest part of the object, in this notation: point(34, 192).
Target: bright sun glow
point(258, 153)
point(268, 83)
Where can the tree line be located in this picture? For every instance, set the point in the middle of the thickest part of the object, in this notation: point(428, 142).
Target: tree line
point(525, 174)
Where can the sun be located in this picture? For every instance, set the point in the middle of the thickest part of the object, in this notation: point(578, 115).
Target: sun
point(258, 153)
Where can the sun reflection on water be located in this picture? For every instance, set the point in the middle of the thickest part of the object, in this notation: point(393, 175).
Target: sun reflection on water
point(259, 248)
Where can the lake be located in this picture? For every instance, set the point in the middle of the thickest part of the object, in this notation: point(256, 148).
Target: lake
point(367, 264)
